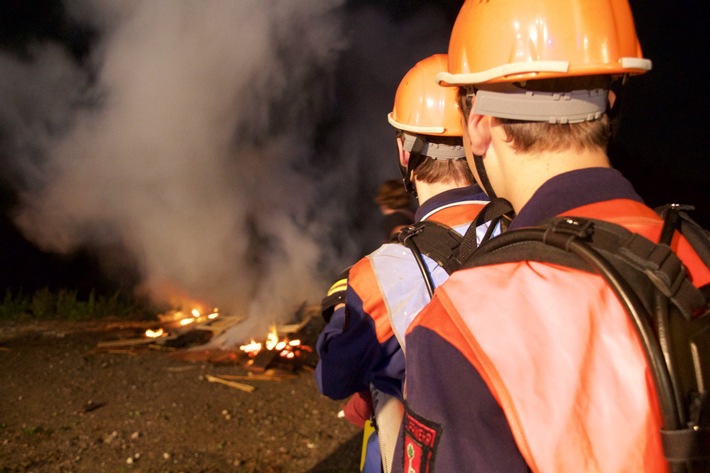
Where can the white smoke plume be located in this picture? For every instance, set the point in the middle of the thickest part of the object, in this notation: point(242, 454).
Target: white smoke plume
point(185, 146)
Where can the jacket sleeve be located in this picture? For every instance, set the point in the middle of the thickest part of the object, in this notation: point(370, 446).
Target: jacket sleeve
point(348, 347)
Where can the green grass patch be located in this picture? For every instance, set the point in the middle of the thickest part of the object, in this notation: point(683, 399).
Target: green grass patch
point(37, 430)
point(65, 304)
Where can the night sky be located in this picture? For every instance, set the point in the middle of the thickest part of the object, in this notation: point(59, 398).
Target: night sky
point(662, 145)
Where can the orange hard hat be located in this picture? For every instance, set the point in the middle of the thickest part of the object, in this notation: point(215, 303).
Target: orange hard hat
point(503, 41)
point(424, 107)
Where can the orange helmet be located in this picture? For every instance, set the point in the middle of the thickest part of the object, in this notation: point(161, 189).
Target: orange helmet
point(422, 106)
point(503, 41)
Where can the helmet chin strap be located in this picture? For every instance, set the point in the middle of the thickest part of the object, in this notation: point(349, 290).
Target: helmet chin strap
point(483, 176)
point(415, 159)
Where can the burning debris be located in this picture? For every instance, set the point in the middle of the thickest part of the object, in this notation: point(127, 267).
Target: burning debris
point(273, 348)
point(195, 316)
point(275, 356)
point(285, 347)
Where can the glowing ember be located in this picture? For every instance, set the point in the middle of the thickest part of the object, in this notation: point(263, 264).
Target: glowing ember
point(251, 347)
point(287, 348)
point(150, 333)
point(196, 316)
point(182, 318)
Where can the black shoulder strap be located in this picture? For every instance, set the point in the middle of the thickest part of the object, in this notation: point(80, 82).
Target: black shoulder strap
point(446, 246)
point(436, 240)
point(676, 218)
point(497, 211)
point(651, 282)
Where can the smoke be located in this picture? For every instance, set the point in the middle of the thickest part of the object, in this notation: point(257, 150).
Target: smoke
point(220, 149)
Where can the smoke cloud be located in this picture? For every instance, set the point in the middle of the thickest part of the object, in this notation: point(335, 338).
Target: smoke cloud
point(225, 151)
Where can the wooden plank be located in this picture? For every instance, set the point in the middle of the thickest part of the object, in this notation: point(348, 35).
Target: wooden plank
point(232, 384)
point(127, 342)
point(262, 361)
point(260, 377)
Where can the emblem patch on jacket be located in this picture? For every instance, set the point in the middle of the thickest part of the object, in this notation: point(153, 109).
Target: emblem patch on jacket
point(421, 437)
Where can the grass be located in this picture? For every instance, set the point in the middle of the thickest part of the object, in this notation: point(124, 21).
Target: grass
point(64, 304)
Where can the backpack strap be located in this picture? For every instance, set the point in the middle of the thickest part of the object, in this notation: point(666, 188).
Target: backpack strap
point(435, 240)
point(496, 211)
point(446, 246)
point(676, 217)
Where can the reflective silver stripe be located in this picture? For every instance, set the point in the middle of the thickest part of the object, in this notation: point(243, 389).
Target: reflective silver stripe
point(388, 416)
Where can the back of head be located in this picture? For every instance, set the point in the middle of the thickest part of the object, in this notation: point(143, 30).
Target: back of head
point(428, 121)
point(544, 61)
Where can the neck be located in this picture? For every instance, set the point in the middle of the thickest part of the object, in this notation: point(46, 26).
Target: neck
point(518, 175)
point(427, 190)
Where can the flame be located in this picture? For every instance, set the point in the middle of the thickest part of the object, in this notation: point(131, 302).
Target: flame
point(272, 339)
point(286, 348)
point(150, 333)
point(251, 347)
point(195, 316)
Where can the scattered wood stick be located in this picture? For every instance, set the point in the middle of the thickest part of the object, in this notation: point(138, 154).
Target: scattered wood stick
point(119, 351)
point(126, 342)
point(260, 377)
point(92, 406)
point(161, 347)
point(181, 368)
point(241, 386)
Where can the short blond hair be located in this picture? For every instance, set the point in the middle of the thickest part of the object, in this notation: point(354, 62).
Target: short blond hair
point(444, 170)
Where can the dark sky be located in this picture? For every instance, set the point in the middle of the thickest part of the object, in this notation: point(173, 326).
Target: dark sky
point(664, 142)
point(662, 145)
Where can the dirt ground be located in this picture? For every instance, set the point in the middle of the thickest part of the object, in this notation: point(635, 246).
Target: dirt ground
point(69, 406)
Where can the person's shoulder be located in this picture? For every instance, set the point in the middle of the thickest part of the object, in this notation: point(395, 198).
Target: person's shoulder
point(390, 252)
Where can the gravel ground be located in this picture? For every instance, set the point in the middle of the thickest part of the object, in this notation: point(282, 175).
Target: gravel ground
point(70, 406)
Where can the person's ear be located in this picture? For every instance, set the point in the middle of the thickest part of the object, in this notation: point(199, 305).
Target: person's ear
point(403, 154)
point(479, 133)
point(611, 99)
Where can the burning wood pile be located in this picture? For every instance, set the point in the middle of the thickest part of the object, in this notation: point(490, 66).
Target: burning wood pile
point(275, 357)
point(263, 354)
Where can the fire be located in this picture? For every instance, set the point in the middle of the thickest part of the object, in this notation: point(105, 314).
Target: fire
point(285, 347)
point(251, 347)
point(195, 316)
point(181, 319)
point(150, 333)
